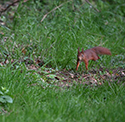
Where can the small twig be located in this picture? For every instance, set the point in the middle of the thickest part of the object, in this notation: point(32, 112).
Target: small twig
point(92, 6)
point(9, 6)
point(54, 10)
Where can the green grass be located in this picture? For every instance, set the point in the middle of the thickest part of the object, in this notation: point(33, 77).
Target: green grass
point(55, 41)
point(78, 103)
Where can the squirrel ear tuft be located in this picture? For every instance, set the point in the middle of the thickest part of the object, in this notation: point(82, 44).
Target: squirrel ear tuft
point(82, 50)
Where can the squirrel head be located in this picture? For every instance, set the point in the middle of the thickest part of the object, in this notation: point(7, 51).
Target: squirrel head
point(80, 55)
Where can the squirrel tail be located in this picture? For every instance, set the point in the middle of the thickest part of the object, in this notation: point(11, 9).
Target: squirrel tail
point(102, 51)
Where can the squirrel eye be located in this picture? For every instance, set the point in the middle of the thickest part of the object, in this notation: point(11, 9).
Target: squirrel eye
point(82, 55)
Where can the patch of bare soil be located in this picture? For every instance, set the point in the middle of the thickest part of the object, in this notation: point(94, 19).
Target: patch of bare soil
point(92, 77)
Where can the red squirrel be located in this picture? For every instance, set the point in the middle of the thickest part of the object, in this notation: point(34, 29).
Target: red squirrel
point(91, 54)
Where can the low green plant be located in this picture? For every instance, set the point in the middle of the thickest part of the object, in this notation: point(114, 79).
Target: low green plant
point(4, 98)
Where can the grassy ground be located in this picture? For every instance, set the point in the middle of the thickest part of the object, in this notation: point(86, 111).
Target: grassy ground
point(38, 81)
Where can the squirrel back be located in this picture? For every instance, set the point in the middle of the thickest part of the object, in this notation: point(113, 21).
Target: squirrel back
point(91, 54)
